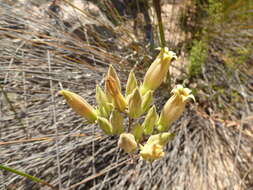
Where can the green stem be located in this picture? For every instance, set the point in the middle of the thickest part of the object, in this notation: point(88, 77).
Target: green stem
point(12, 108)
point(158, 11)
point(38, 180)
point(9, 101)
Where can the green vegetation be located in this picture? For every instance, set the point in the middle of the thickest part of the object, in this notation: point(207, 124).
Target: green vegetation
point(35, 179)
point(219, 29)
point(198, 55)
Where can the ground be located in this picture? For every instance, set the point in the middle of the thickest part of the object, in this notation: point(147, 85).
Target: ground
point(41, 136)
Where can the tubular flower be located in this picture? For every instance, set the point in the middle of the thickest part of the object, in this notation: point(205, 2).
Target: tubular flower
point(174, 107)
point(158, 70)
point(127, 142)
point(113, 90)
point(151, 152)
point(153, 149)
point(79, 105)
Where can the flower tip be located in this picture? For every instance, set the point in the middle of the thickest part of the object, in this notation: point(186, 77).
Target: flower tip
point(192, 97)
point(61, 92)
point(65, 93)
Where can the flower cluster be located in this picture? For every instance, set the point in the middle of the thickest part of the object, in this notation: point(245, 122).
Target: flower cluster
point(148, 137)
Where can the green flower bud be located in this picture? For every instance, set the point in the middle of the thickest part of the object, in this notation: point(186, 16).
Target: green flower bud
point(150, 121)
point(100, 96)
point(79, 105)
point(134, 104)
point(131, 83)
point(174, 107)
point(161, 138)
point(104, 104)
point(105, 125)
point(127, 142)
point(117, 120)
point(158, 70)
point(147, 101)
point(102, 112)
point(137, 131)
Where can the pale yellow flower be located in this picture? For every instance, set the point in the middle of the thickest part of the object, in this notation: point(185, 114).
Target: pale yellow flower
point(151, 152)
point(79, 105)
point(174, 107)
point(153, 149)
point(158, 70)
point(127, 142)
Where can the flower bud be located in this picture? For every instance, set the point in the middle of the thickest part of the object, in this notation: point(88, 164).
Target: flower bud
point(105, 125)
point(158, 70)
point(151, 152)
point(116, 120)
point(104, 104)
point(102, 112)
point(174, 107)
point(101, 97)
point(147, 101)
point(137, 131)
point(79, 105)
point(113, 90)
point(131, 83)
point(134, 104)
point(161, 138)
point(150, 121)
point(112, 73)
point(127, 142)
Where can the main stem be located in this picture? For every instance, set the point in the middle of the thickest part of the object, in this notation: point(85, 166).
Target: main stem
point(158, 11)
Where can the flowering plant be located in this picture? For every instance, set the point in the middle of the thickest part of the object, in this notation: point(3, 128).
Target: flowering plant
point(148, 137)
